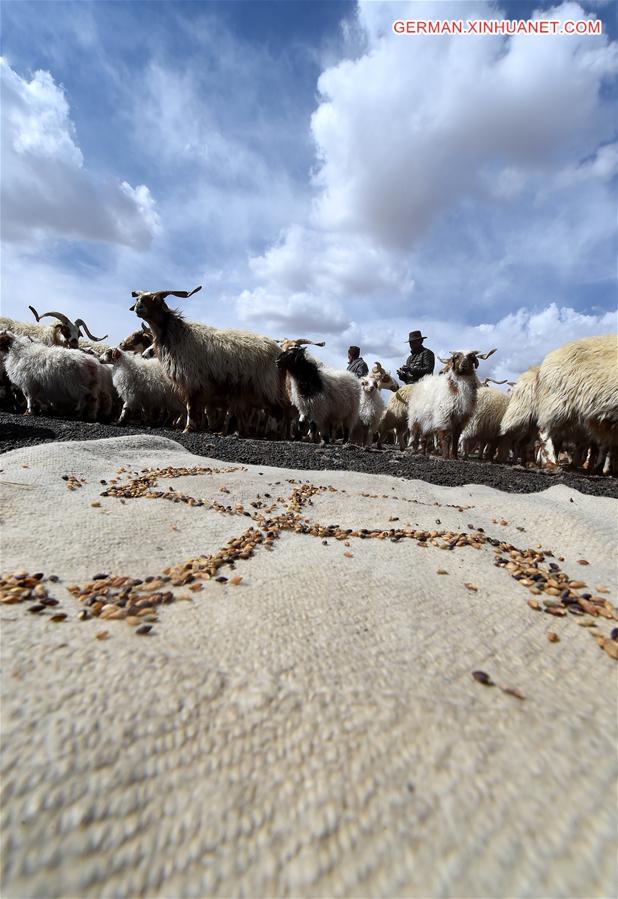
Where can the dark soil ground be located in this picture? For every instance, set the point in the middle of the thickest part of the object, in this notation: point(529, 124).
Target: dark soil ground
point(17, 431)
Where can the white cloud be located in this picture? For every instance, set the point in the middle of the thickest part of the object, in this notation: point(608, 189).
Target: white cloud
point(319, 262)
point(47, 191)
point(454, 177)
point(298, 314)
point(406, 131)
point(523, 338)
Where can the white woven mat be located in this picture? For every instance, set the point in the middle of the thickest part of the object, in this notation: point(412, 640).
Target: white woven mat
point(314, 730)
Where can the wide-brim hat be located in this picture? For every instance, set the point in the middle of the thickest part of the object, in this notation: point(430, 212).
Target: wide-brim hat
point(416, 335)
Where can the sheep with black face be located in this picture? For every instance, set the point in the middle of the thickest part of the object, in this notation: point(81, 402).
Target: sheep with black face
point(326, 398)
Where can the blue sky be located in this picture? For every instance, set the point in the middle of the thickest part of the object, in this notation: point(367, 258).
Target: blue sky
point(320, 176)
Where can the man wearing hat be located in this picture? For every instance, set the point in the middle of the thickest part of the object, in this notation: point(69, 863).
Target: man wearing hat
point(356, 363)
point(419, 363)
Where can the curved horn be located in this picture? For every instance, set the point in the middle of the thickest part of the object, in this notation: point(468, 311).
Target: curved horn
point(82, 324)
point(444, 360)
point(59, 315)
point(485, 355)
point(183, 294)
point(34, 312)
point(302, 341)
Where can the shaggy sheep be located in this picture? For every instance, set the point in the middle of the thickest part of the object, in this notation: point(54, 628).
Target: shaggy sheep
point(519, 423)
point(483, 428)
point(370, 411)
point(223, 367)
point(395, 416)
point(143, 387)
point(577, 391)
point(442, 404)
point(65, 333)
point(328, 399)
point(68, 381)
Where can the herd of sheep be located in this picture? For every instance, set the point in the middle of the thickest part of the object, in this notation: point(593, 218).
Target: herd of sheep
point(172, 371)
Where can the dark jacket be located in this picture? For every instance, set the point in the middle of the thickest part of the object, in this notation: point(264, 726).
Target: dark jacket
point(358, 367)
point(417, 365)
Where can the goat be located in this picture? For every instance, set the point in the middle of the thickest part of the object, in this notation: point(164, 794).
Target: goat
point(519, 423)
point(483, 427)
point(370, 411)
point(442, 404)
point(577, 394)
point(65, 333)
point(385, 381)
point(143, 387)
point(395, 416)
point(71, 331)
point(327, 398)
point(51, 376)
point(212, 365)
point(138, 341)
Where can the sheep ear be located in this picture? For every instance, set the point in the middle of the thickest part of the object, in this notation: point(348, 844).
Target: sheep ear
point(487, 355)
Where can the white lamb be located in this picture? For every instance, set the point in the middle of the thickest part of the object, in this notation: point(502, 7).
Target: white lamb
point(370, 411)
point(143, 387)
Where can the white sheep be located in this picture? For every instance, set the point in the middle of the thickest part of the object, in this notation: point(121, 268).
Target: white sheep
point(384, 378)
point(577, 394)
point(224, 368)
point(442, 404)
point(326, 398)
point(519, 423)
point(371, 410)
point(395, 416)
point(143, 387)
point(483, 428)
point(51, 376)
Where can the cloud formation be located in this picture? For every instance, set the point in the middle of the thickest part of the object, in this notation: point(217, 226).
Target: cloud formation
point(455, 179)
point(46, 188)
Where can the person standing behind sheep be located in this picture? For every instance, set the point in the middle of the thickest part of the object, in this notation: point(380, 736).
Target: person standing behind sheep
point(356, 363)
point(419, 363)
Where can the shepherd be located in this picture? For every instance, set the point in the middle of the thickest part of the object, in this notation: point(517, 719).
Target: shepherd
point(419, 363)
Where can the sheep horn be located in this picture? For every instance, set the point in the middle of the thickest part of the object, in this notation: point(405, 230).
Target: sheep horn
point(82, 324)
point(183, 294)
point(444, 360)
point(59, 315)
point(34, 312)
point(485, 355)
